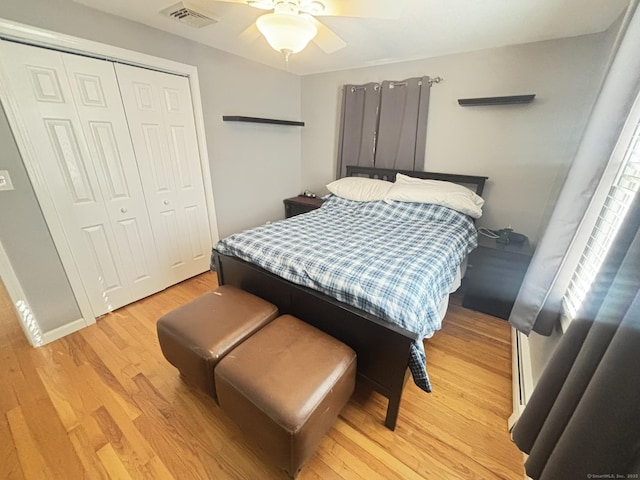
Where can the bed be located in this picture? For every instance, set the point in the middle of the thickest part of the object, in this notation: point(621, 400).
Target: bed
point(385, 350)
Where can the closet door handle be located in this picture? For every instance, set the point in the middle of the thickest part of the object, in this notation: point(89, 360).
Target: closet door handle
point(166, 202)
point(123, 210)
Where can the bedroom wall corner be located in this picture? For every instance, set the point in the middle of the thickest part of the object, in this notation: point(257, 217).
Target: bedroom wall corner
point(521, 148)
point(608, 45)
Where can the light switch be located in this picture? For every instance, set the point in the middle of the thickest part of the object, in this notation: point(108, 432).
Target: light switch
point(5, 180)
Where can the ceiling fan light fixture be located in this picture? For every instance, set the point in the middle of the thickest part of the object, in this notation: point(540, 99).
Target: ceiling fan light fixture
point(286, 33)
point(261, 4)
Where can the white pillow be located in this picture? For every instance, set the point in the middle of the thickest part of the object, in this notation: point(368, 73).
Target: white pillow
point(360, 189)
point(447, 194)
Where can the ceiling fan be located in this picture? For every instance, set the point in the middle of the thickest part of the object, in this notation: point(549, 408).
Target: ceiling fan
point(292, 24)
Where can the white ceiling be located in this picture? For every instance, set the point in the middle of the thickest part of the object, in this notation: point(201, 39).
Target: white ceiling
point(426, 28)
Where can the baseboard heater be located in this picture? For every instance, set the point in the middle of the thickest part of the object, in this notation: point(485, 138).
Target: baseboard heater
point(521, 374)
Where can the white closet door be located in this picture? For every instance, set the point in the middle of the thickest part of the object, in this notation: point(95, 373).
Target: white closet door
point(74, 180)
point(160, 116)
point(98, 102)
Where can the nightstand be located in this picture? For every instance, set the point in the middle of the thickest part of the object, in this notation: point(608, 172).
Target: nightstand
point(300, 204)
point(494, 274)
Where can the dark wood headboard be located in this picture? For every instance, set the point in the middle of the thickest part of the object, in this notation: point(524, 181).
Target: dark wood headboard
point(390, 175)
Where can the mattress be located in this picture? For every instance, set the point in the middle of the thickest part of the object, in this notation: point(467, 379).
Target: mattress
point(395, 260)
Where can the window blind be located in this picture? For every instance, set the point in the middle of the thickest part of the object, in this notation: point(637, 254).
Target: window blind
point(625, 186)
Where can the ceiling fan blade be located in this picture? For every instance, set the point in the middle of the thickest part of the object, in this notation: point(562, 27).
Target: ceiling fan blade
point(261, 4)
point(382, 9)
point(249, 34)
point(230, 1)
point(326, 39)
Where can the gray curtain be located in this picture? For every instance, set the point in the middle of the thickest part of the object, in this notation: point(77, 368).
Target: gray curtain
point(384, 126)
point(402, 131)
point(583, 418)
point(539, 301)
point(358, 126)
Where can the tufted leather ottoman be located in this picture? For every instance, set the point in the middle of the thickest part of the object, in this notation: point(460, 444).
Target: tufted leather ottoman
point(284, 387)
point(195, 336)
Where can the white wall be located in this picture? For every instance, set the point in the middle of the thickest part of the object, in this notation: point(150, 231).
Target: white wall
point(252, 167)
point(525, 150)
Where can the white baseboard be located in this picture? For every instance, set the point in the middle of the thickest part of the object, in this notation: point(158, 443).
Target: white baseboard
point(56, 333)
point(28, 321)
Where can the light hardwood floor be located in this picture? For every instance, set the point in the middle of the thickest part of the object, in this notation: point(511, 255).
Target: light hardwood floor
point(103, 403)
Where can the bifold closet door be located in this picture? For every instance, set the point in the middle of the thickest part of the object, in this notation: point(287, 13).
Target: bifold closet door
point(79, 146)
point(160, 116)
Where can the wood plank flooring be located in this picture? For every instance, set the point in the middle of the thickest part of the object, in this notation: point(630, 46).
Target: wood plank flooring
point(103, 403)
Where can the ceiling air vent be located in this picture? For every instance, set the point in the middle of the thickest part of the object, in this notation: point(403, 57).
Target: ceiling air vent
point(183, 14)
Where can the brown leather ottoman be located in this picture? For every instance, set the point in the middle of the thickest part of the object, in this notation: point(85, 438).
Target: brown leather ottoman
point(195, 336)
point(284, 386)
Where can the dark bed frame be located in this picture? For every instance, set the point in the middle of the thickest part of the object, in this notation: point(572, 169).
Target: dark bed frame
point(382, 348)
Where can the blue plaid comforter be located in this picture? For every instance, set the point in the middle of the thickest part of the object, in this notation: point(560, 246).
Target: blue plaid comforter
point(396, 261)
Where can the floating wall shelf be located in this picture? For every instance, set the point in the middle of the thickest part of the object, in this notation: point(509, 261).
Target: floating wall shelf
point(273, 121)
point(472, 102)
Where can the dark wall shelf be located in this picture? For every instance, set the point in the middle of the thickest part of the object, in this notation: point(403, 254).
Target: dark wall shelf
point(473, 102)
point(273, 121)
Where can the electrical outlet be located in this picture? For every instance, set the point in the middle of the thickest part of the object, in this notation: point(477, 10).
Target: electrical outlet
point(5, 180)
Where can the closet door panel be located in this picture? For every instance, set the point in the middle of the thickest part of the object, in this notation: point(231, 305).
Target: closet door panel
point(160, 115)
point(191, 193)
point(97, 238)
point(183, 147)
point(62, 158)
point(169, 226)
point(97, 98)
point(159, 170)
